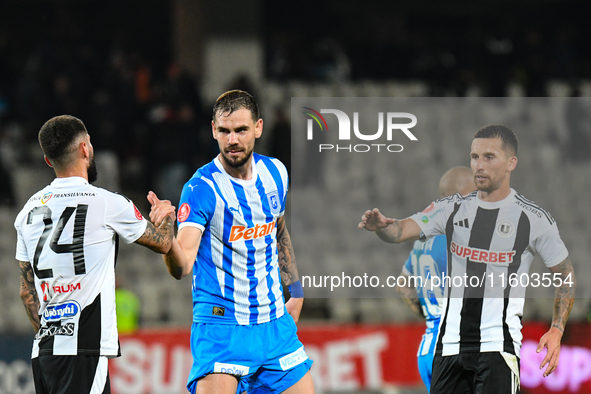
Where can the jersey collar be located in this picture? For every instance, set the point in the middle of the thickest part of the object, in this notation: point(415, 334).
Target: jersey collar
point(69, 181)
point(250, 181)
point(496, 204)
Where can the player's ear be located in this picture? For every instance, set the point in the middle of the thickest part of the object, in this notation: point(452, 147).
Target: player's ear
point(512, 163)
point(85, 149)
point(258, 128)
point(213, 130)
point(47, 161)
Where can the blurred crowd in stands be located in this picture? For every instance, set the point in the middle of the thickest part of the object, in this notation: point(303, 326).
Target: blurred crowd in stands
point(451, 45)
point(145, 109)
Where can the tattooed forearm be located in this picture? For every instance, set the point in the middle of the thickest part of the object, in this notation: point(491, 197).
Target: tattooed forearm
point(564, 295)
point(29, 294)
point(391, 233)
point(159, 239)
point(410, 298)
point(287, 261)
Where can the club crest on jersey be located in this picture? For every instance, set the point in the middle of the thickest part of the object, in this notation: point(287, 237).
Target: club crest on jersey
point(274, 203)
point(505, 229)
point(46, 197)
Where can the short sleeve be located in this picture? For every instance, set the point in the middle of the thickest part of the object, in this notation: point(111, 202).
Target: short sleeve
point(550, 247)
point(21, 247)
point(432, 220)
point(285, 176)
point(197, 204)
point(280, 177)
point(125, 219)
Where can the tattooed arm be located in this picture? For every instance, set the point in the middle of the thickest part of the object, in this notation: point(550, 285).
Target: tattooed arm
point(28, 293)
point(409, 296)
point(563, 302)
point(158, 239)
point(287, 262)
point(159, 235)
point(288, 268)
point(390, 230)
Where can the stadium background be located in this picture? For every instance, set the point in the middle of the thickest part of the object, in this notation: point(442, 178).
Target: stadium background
point(143, 76)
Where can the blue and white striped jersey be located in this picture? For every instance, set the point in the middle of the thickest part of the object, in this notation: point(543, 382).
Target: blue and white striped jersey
point(236, 277)
point(428, 259)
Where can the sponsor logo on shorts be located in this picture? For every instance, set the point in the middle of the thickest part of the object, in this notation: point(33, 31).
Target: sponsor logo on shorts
point(482, 256)
point(231, 369)
point(293, 359)
point(66, 330)
point(184, 211)
point(61, 311)
point(242, 233)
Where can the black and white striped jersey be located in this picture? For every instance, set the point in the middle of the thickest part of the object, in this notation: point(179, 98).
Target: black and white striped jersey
point(70, 231)
point(488, 243)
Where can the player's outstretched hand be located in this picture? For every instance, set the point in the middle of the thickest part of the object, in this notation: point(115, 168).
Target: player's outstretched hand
point(162, 210)
point(374, 220)
point(550, 341)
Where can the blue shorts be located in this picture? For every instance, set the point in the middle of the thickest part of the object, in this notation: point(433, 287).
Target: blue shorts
point(265, 358)
point(425, 357)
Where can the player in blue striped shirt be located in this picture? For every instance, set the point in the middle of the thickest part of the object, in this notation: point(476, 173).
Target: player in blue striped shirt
point(232, 234)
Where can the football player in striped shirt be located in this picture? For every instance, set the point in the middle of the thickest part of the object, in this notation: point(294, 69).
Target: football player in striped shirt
point(232, 236)
point(67, 239)
point(492, 234)
point(428, 260)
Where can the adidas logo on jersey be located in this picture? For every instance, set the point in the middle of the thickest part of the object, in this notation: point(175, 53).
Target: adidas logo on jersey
point(242, 233)
point(462, 223)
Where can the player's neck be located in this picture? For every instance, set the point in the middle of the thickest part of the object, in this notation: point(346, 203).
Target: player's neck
point(79, 171)
point(243, 172)
point(496, 195)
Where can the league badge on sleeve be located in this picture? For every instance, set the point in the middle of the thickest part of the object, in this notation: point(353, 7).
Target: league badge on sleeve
point(184, 211)
point(138, 214)
point(274, 203)
point(429, 208)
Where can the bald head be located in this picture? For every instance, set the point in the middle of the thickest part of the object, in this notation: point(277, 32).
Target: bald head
point(457, 180)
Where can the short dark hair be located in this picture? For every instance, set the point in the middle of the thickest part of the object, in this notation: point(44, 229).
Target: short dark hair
point(504, 133)
point(234, 100)
point(57, 136)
